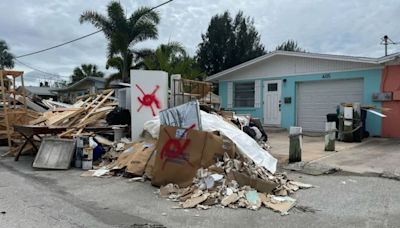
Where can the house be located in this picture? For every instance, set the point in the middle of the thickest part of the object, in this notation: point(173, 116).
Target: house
point(42, 92)
point(87, 85)
point(286, 89)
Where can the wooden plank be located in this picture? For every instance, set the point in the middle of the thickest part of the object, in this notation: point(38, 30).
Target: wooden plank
point(73, 120)
point(38, 120)
point(104, 109)
point(65, 109)
point(59, 118)
point(65, 133)
point(97, 106)
point(94, 101)
point(5, 109)
point(92, 119)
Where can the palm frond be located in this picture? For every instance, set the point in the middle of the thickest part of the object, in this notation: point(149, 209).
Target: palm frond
point(99, 21)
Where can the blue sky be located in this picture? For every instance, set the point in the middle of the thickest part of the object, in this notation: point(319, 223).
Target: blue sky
point(349, 27)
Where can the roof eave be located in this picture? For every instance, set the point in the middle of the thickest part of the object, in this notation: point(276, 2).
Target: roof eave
point(298, 54)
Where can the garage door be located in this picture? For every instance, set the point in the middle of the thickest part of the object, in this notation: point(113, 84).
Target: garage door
point(318, 98)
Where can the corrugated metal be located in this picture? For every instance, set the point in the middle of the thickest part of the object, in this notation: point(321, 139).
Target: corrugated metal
point(317, 98)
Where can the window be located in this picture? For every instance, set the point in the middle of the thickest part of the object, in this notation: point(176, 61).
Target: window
point(272, 87)
point(244, 94)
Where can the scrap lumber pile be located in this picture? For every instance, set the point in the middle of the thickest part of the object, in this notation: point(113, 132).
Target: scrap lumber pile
point(89, 112)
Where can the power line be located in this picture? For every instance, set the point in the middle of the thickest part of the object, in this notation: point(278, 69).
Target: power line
point(34, 68)
point(59, 45)
point(82, 37)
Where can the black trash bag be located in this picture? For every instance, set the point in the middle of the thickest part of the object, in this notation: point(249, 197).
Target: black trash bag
point(119, 116)
point(257, 123)
point(249, 131)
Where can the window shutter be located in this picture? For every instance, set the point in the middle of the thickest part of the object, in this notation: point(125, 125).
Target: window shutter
point(257, 94)
point(230, 95)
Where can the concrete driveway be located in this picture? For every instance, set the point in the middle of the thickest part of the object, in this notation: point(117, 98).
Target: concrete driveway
point(372, 155)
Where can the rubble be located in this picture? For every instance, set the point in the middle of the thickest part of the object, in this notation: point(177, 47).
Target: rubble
point(220, 189)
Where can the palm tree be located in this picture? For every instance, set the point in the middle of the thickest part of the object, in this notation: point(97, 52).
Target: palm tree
point(6, 58)
point(172, 58)
point(122, 32)
point(135, 60)
point(85, 70)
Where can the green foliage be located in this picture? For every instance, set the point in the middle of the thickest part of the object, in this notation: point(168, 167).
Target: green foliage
point(172, 58)
point(85, 70)
point(228, 42)
point(6, 58)
point(123, 32)
point(290, 45)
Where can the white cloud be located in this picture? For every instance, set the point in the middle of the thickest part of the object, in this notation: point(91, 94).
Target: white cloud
point(351, 27)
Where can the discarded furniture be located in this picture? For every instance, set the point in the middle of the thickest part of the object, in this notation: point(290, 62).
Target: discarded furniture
point(29, 131)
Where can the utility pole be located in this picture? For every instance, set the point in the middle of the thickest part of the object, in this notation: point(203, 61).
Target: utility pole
point(385, 40)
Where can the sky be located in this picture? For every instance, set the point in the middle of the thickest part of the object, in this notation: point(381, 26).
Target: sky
point(348, 27)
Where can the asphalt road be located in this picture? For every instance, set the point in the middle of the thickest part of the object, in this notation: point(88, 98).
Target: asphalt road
point(37, 198)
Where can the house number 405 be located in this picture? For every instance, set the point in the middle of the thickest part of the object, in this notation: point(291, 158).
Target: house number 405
point(326, 76)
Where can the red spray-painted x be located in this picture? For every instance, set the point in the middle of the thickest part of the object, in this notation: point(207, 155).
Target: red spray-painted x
point(173, 148)
point(149, 99)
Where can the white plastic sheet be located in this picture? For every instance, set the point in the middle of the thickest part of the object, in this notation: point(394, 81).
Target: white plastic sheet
point(245, 144)
point(153, 127)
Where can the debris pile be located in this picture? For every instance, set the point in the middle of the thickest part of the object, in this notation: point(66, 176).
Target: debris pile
point(201, 160)
point(235, 183)
point(76, 117)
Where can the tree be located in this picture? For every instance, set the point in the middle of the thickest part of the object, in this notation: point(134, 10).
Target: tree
point(122, 32)
point(290, 45)
point(6, 58)
point(135, 60)
point(172, 58)
point(228, 42)
point(85, 70)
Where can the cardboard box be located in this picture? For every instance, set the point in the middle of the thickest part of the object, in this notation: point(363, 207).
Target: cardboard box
point(181, 152)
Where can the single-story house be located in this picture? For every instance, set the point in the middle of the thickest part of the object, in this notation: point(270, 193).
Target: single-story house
point(286, 89)
point(87, 85)
point(42, 92)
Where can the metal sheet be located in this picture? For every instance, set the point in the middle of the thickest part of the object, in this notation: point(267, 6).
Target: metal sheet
point(184, 116)
point(54, 154)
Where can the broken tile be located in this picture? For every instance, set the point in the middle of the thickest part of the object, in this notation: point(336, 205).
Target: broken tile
point(254, 200)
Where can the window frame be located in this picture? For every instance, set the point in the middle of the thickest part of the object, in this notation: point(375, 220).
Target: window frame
point(253, 98)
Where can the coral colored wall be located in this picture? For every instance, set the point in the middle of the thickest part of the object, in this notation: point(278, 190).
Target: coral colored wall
point(391, 83)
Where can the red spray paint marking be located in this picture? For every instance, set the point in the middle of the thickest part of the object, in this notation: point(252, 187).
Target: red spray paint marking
point(149, 99)
point(173, 148)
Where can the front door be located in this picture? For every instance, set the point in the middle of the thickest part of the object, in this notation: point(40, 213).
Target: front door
point(272, 103)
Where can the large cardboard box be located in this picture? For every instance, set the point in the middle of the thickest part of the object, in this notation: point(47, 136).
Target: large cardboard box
point(181, 152)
